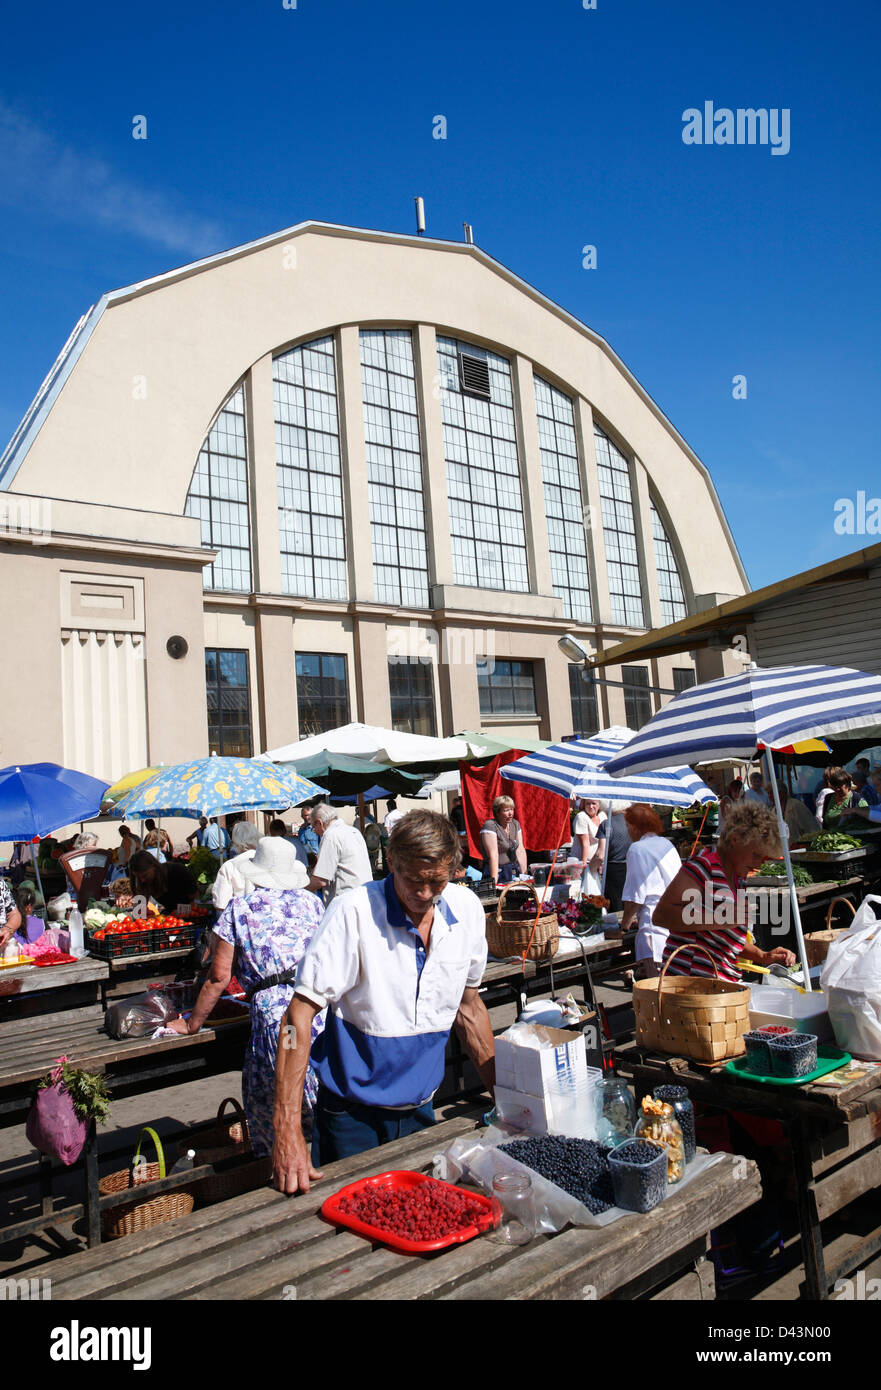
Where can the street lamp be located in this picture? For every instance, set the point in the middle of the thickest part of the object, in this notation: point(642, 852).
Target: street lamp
point(572, 649)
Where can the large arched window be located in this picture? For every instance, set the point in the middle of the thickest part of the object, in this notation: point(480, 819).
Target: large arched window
point(487, 538)
point(394, 467)
point(218, 496)
point(673, 605)
point(564, 505)
point(309, 474)
point(619, 533)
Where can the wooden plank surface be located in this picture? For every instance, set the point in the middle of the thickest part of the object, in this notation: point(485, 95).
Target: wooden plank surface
point(265, 1246)
point(33, 977)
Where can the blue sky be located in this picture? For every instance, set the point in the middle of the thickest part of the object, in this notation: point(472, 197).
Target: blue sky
point(564, 128)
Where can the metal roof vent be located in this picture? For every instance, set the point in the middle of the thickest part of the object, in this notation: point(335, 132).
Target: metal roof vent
point(474, 375)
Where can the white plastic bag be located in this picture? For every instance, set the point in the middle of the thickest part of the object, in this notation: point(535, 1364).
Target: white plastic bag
point(851, 981)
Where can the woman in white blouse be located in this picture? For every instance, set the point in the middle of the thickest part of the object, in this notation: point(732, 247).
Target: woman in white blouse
point(584, 841)
point(230, 883)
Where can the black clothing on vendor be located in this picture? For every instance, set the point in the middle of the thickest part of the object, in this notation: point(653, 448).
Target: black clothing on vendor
point(619, 843)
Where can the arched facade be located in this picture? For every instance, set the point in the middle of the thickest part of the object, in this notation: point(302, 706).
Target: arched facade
point(399, 464)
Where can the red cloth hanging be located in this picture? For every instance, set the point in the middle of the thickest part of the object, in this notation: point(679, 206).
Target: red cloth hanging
point(541, 813)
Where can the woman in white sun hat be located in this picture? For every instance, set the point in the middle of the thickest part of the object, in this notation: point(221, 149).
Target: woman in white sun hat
point(261, 937)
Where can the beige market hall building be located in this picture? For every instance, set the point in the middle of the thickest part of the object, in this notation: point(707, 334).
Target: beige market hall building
point(319, 477)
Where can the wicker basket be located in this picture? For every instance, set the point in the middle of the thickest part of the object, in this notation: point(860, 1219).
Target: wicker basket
point(508, 932)
point(125, 1220)
point(227, 1140)
point(817, 943)
point(691, 1016)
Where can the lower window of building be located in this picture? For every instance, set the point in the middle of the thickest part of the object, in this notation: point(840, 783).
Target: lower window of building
point(322, 692)
point(229, 703)
point(683, 678)
point(583, 695)
point(506, 687)
point(637, 699)
point(411, 687)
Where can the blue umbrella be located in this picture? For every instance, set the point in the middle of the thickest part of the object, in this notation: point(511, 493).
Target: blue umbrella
point(218, 786)
point(731, 717)
point(37, 798)
point(577, 768)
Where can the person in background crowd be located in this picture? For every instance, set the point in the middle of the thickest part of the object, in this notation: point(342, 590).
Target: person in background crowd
point(215, 839)
point(756, 791)
point(151, 844)
point(501, 839)
point(306, 834)
point(278, 829)
point(457, 816)
point(802, 825)
point(613, 839)
point(199, 833)
point(704, 909)
point(652, 864)
point(839, 807)
point(130, 843)
point(10, 917)
point(824, 792)
point(343, 860)
point(392, 817)
point(262, 936)
point(230, 881)
point(862, 785)
point(396, 964)
point(162, 840)
point(587, 822)
point(171, 884)
point(733, 794)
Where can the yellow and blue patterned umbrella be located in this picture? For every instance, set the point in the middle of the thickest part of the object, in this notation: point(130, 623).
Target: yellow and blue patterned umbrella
point(216, 787)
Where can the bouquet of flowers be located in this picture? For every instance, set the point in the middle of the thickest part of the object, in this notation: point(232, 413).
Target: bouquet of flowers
point(584, 916)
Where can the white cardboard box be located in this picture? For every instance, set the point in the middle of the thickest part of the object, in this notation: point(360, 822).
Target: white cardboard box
point(531, 1070)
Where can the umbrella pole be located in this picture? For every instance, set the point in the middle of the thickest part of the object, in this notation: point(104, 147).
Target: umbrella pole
point(793, 896)
point(34, 850)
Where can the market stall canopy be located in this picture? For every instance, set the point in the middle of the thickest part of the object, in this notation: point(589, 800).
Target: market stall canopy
point(37, 798)
point(731, 717)
point(491, 745)
point(342, 775)
point(387, 746)
point(217, 786)
point(577, 769)
point(444, 782)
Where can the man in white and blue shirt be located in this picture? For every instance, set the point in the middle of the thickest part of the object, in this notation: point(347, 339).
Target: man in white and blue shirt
point(396, 963)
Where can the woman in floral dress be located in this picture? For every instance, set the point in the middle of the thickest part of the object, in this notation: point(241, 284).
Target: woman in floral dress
point(261, 937)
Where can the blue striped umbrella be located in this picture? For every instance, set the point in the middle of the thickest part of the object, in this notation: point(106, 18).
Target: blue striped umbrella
point(729, 718)
point(577, 769)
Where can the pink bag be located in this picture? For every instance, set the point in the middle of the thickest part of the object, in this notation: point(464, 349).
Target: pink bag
point(52, 1125)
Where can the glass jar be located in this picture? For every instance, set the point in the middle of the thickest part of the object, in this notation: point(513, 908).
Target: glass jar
point(657, 1122)
point(617, 1110)
point(514, 1204)
point(678, 1097)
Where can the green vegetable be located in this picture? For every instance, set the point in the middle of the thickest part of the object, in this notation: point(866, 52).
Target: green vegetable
point(775, 869)
point(203, 865)
point(87, 1090)
point(833, 841)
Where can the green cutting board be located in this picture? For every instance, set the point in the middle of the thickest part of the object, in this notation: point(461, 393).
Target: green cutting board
point(829, 1058)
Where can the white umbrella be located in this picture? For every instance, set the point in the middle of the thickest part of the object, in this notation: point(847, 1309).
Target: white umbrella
point(379, 745)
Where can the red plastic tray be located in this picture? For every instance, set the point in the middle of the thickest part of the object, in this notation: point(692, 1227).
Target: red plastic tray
point(61, 959)
point(401, 1180)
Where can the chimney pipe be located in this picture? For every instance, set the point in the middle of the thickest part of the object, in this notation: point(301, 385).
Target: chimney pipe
point(420, 216)
point(469, 234)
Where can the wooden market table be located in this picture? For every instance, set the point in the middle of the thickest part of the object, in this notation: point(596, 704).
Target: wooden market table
point(30, 1046)
point(832, 1137)
point(29, 990)
point(265, 1246)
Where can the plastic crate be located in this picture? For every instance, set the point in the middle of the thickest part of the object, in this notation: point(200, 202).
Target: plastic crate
point(173, 938)
point(115, 947)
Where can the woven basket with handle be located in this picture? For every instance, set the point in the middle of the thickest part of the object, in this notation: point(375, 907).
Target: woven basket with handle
point(690, 1015)
point(508, 932)
point(817, 943)
point(229, 1139)
point(126, 1219)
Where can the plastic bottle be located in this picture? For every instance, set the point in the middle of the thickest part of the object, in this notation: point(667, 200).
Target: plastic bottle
point(185, 1162)
point(75, 927)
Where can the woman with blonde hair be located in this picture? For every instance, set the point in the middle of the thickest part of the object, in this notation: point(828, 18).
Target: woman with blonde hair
point(705, 905)
point(501, 839)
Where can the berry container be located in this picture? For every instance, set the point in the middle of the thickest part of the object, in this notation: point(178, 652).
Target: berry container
point(402, 1181)
point(678, 1097)
point(639, 1178)
point(793, 1054)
